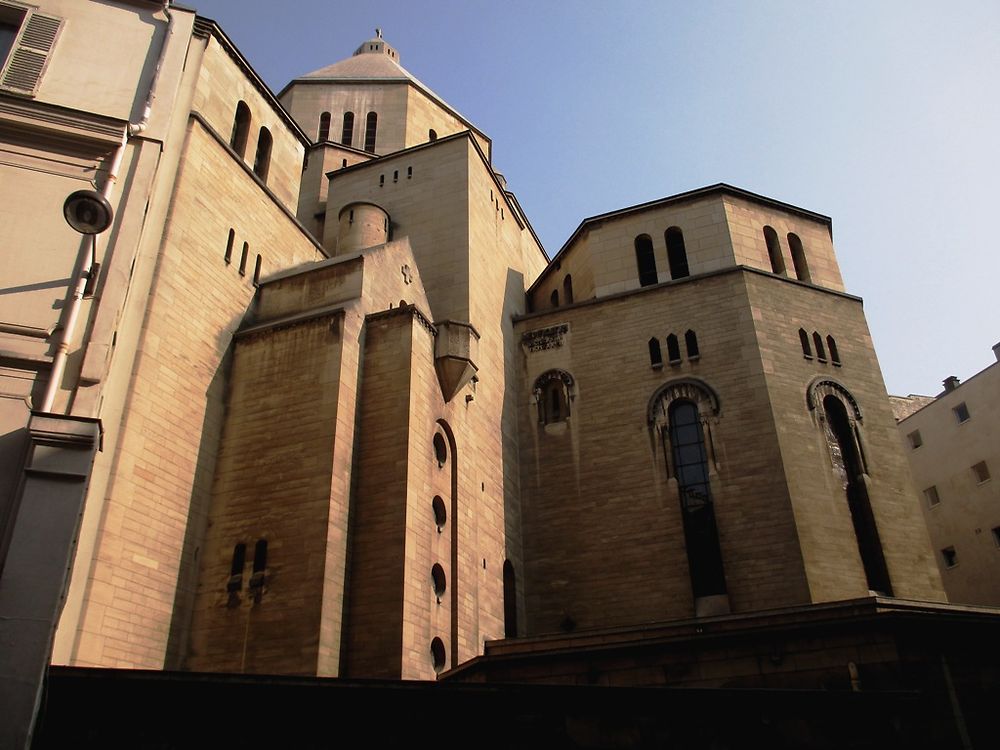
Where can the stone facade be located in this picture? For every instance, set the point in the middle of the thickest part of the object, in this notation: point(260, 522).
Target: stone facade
point(357, 424)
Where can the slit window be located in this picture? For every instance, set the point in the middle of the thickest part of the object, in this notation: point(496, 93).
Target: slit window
point(256, 271)
point(324, 127)
point(509, 601)
point(831, 346)
point(798, 257)
point(347, 132)
point(228, 257)
point(931, 496)
point(235, 582)
point(262, 161)
point(371, 126)
point(554, 298)
point(820, 352)
point(243, 258)
point(241, 129)
point(568, 290)
point(645, 260)
point(774, 251)
point(676, 254)
point(804, 340)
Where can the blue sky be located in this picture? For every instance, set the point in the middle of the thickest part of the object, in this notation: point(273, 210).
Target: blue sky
point(883, 115)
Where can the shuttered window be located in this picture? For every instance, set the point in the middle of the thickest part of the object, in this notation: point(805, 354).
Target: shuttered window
point(29, 50)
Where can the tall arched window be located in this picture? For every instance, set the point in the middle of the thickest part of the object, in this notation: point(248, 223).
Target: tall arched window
point(645, 260)
point(553, 393)
point(820, 352)
point(554, 298)
point(371, 125)
point(347, 133)
point(568, 290)
point(262, 161)
point(804, 340)
point(673, 349)
point(676, 254)
point(324, 127)
point(655, 356)
point(691, 343)
point(832, 346)
point(241, 129)
point(848, 461)
point(798, 257)
point(774, 251)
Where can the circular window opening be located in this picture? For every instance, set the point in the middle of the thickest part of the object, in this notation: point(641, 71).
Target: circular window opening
point(440, 512)
point(437, 573)
point(440, 449)
point(437, 654)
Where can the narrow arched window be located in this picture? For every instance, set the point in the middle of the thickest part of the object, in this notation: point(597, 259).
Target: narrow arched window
point(243, 258)
point(552, 395)
point(554, 298)
point(798, 257)
point(262, 161)
point(655, 356)
point(347, 134)
point(256, 271)
point(818, 342)
point(691, 343)
point(676, 254)
point(259, 568)
point(774, 251)
point(701, 535)
point(432, 135)
point(241, 129)
point(645, 260)
point(568, 290)
point(371, 125)
point(324, 127)
point(848, 461)
point(673, 349)
point(804, 340)
point(228, 257)
point(236, 568)
point(509, 601)
point(832, 346)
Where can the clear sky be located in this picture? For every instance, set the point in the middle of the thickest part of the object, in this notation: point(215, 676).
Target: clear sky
point(883, 115)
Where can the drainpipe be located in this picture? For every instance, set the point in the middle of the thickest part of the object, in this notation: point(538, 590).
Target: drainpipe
point(89, 262)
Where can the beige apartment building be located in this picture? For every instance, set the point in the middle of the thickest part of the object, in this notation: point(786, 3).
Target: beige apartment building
point(295, 389)
point(953, 443)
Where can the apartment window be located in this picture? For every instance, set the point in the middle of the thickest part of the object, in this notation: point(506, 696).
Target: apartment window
point(347, 133)
point(241, 129)
point(961, 412)
point(950, 557)
point(324, 127)
point(915, 440)
point(26, 39)
point(982, 472)
point(676, 254)
point(262, 161)
point(371, 125)
point(645, 260)
point(931, 496)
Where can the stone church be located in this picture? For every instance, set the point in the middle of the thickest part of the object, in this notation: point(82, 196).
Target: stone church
point(295, 390)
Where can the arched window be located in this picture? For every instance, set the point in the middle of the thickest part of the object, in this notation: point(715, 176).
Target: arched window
point(228, 257)
point(655, 357)
point(798, 257)
point(820, 351)
point(645, 260)
point(509, 601)
point(568, 290)
point(832, 346)
point(774, 251)
point(324, 127)
point(553, 393)
point(691, 343)
point(676, 254)
point(673, 349)
point(432, 135)
point(262, 161)
point(241, 129)
point(371, 125)
point(804, 340)
point(554, 298)
point(347, 133)
point(848, 461)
